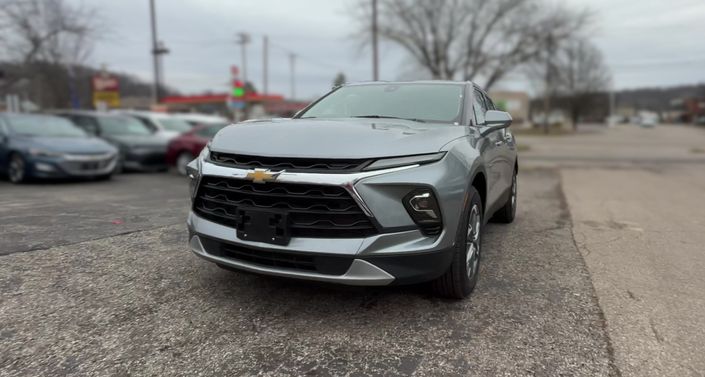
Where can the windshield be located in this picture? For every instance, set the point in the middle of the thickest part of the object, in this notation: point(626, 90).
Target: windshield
point(209, 131)
point(41, 125)
point(114, 125)
point(421, 102)
point(174, 124)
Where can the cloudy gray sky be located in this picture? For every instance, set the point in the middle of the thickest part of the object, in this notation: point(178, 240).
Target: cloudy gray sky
point(645, 42)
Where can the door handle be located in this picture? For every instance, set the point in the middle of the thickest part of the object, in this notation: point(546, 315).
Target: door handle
point(498, 143)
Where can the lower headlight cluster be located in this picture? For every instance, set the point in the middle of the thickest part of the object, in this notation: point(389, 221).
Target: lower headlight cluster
point(424, 210)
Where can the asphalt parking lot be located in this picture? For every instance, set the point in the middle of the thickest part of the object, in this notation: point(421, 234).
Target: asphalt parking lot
point(600, 275)
point(96, 279)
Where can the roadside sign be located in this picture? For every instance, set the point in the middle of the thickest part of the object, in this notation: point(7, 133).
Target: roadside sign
point(106, 91)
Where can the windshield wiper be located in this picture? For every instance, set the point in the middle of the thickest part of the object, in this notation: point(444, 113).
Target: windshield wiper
point(389, 117)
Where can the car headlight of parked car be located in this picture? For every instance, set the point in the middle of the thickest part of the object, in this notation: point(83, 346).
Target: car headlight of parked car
point(34, 152)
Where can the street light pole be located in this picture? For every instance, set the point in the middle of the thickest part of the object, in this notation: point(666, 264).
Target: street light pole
point(243, 41)
point(265, 65)
point(375, 50)
point(155, 55)
point(292, 66)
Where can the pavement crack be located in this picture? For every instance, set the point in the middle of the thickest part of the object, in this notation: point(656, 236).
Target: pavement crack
point(41, 248)
point(659, 337)
point(611, 358)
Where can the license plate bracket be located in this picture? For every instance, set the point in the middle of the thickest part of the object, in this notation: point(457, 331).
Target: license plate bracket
point(269, 226)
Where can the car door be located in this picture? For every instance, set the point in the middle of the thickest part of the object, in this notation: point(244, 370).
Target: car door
point(506, 150)
point(491, 151)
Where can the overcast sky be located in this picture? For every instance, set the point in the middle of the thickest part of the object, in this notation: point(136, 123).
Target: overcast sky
point(645, 42)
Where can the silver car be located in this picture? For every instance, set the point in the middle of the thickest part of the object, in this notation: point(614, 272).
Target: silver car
point(373, 184)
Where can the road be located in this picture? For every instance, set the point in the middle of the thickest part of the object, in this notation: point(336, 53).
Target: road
point(637, 204)
point(600, 275)
point(118, 292)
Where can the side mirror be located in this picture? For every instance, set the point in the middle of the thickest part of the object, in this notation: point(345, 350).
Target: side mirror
point(496, 120)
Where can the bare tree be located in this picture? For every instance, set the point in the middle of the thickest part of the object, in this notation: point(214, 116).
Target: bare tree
point(581, 76)
point(41, 33)
point(470, 39)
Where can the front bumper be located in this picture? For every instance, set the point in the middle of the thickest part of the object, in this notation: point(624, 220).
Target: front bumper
point(71, 166)
point(330, 268)
point(147, 160)
point(398, 254)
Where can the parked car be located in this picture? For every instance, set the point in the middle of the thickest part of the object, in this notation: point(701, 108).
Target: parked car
point(373, 184)
point(43, 146)
point(184, 148)
point(161, 124)
point(140, 149)
point(195, 119)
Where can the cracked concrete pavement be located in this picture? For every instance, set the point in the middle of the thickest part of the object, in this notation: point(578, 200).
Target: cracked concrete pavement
point(642, 238)
point(100, 302)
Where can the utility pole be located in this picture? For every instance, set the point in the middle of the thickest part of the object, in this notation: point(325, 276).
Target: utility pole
point(158, 49)
point(375, 51)
point(243, 40)
point(292, 66)
point(265, 64)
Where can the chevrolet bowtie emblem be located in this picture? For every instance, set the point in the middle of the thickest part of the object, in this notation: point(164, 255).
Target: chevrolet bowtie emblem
point(262, 175)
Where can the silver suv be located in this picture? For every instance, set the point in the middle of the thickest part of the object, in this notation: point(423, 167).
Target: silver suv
point(373, 184)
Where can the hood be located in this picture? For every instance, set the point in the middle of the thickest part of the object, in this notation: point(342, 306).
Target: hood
point(139, 140)
point(71, 145)
point(344, 138)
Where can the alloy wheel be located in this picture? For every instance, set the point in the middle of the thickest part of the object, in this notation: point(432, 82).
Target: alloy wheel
point(472, 255)
point(514, 191)
point(16, 169)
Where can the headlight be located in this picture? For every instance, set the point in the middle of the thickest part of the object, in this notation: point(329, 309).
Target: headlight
point(394, 162)
point(193, 171)
point(44, 153)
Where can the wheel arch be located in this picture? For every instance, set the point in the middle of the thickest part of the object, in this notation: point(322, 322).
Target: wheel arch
point(479, 182)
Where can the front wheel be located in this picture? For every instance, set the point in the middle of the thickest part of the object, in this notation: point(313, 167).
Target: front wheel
point(461, 277)
point(182, 160)
point(17, 169)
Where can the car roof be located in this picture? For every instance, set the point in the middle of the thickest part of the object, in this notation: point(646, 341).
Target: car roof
point(84, 112)
point(144, 113)
point(197, 117)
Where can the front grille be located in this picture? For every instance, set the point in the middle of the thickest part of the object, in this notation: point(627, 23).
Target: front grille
point(314, 211)
point(291, 260)
point(290, 164)
point(86, 167)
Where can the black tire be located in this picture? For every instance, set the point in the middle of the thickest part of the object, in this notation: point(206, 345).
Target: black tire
point(104, 177)
point(508, 211)
point(17, 169)
point(456, 282)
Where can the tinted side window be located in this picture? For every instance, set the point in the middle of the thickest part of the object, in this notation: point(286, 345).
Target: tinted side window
point(479, 108)
point(147, 122)
point(87, 123)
